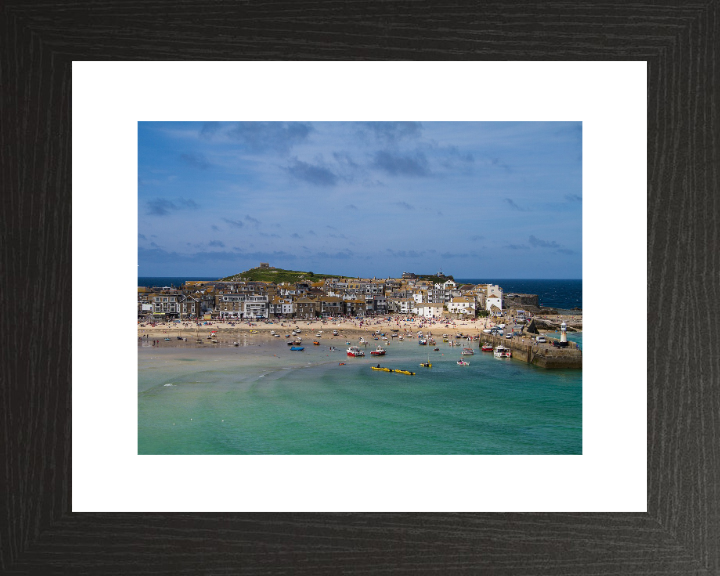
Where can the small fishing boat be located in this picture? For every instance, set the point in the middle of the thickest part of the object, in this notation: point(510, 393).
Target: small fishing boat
point(422, 342)
point(487, 347)
point(463, 363)
point(436, 349)
point(502, 352)
point(316, 343)
point(467, 352)
point(297, 348)
point(426, 364)
point(355, 351)
point(379, 351)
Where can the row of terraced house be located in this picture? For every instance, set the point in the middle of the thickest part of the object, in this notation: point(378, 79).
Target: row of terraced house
point(332, 297)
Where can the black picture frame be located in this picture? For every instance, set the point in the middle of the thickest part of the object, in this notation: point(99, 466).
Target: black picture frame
point(680, 533)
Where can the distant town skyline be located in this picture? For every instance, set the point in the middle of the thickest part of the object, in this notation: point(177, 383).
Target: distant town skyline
point(473, 199)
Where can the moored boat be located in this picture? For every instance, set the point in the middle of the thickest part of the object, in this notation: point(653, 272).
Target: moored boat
point(487, 347)
point(467, 352)
point(463, 363)
point(355, 351)
point(379, 351)
point(502, 352)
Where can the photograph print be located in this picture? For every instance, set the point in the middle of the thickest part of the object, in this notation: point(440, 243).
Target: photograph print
point(376, 288)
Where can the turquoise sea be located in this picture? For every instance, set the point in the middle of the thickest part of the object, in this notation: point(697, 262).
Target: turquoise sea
point(261, 398)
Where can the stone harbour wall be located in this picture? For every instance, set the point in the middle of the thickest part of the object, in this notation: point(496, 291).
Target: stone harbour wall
point(539, 355)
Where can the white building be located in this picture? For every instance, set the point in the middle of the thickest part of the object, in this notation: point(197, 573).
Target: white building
point(462, 305)
point(256, 306)
point(429, 309)
point(494, 297)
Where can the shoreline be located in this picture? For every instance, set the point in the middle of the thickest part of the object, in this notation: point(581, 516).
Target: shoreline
point(348, 330)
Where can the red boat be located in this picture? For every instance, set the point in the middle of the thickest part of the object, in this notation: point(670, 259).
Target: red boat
point(379, 351)
point(355, 351)
point(487, 348)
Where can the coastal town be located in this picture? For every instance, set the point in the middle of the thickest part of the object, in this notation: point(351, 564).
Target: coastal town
point(410, 295)
point(230, 310)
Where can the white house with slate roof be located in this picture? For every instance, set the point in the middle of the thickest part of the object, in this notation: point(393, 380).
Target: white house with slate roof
point(462, 305)
point(494, 297)
point(429, 309)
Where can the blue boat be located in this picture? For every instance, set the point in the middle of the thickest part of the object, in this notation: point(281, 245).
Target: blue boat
point(297, 348)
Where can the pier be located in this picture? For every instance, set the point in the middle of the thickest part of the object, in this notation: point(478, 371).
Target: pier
point(542, 355)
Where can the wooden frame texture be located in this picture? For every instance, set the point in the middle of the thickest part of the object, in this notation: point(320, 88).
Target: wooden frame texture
point(680, 533)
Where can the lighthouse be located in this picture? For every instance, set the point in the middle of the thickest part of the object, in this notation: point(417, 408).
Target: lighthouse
point(563, 334)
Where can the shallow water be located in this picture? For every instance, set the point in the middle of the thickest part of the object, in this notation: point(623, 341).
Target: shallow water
point(264, 399)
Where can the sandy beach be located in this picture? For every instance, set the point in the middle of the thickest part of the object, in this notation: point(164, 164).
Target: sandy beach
point(348, 330)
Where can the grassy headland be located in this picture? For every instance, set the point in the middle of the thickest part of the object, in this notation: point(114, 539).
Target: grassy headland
point(277, 275)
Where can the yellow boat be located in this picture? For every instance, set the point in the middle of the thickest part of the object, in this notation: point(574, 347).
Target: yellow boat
point(253, 332)
point(391, 370)
point(426, 365)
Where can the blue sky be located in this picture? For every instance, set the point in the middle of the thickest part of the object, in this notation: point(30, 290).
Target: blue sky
point(473, 199)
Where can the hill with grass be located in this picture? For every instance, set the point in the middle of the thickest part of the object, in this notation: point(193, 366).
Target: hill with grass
point(277, 275)
point(434, 278)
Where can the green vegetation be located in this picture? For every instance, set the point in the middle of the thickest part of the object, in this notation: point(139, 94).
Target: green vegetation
point(436, 279)
point(277, 275)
